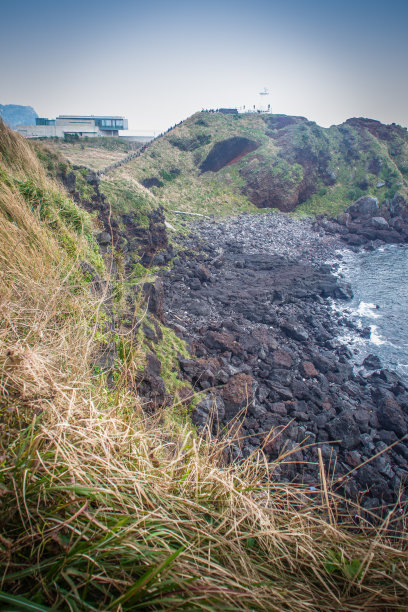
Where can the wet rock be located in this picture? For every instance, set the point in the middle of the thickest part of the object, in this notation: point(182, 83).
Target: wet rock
point(372, 362)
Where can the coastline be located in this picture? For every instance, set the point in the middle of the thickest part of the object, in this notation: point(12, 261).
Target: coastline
point(251, 296)
point(378, 280)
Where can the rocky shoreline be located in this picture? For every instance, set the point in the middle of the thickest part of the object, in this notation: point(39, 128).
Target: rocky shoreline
point(250, 296)
point(367, 224)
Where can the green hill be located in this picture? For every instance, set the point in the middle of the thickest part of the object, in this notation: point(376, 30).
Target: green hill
point(218, 163)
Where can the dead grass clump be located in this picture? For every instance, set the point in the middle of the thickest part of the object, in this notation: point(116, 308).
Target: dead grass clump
point(17, 154)
point(113, 513)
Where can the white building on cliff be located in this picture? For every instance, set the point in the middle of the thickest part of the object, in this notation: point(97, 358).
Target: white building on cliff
point(80, 125)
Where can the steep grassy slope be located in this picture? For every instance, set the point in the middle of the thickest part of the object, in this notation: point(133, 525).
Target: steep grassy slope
point(124, 195)
point(104, 507)
point(216, 163)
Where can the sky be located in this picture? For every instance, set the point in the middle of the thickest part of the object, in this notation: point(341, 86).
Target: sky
point(157, 62)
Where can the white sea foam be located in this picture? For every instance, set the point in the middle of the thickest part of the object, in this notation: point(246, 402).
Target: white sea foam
point(378, 277)
point(367, 309)
point(375, 336)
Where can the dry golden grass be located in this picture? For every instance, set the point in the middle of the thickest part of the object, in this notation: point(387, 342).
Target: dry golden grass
point(104, 508)
point(94, 158)
point(17, 154)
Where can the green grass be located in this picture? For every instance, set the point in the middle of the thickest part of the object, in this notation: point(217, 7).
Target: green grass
point(126, 197)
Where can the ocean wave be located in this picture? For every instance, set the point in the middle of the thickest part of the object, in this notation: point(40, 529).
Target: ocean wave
point(377, 277)
point(375, 337)
point(367, 309)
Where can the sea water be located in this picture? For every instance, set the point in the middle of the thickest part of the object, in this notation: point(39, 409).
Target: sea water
point(379, 280)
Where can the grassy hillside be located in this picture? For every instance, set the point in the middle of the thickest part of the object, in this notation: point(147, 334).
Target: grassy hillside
point(104, 506)
point(294, 164)
point(124, 195)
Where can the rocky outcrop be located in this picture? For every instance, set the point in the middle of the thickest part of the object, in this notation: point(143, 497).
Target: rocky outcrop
point(273, 184)
point(125, 232)
point(302, 164)
point(366, 223)
point(152, 388)
point(282, 161)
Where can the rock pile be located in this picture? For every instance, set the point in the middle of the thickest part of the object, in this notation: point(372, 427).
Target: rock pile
point(253, 304)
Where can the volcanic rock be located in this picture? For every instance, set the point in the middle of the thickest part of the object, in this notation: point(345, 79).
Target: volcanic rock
point(345, 430)
point(237, 394)
point(308, 370)
point(379, 222)
point(366, 206)
point(210, 410)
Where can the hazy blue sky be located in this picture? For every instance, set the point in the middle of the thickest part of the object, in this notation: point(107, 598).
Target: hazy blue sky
point(157, 62)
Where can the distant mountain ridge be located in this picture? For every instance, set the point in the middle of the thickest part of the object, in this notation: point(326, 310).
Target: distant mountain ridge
point(15, 114)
